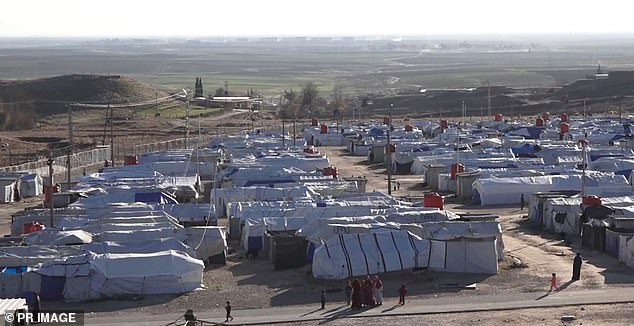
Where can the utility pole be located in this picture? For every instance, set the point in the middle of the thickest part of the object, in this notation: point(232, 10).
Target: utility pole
point(186, 119)
point(294, 128)
point(198, 146)
point(584, 143)
point(156, 103)
point(69, 150)
point(337, 119)
point(49, 162)
point(389, 152)
point(111, 110)
point(226, 93)
point(464, 110)
point(283, 132)
point(489, 98)
point(620, 113)
point(252, 119)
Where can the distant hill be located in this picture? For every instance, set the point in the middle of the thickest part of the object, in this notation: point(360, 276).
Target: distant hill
point(22, 102)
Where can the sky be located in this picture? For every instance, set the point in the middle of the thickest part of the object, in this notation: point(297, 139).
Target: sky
point(197, 18)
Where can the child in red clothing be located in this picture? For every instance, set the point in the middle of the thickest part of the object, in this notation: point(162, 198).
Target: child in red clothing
point(402, 292)
point(553, 283)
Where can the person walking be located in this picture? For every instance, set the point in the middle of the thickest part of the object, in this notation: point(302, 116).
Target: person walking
point(522, 202)
point(378, 290)
point(576, 267)
point(357, 296)
point(553, 283)
point(368, 292)
point(402, 292)
point(228, 309)
point(323, 299)
point(190, 318)
point(348, 292)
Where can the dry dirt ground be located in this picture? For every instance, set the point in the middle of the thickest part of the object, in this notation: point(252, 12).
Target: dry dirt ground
point(617, 315)
point(254, 284)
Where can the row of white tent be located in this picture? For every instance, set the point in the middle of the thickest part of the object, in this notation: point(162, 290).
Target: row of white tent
point(258, 214)
point(124, 236)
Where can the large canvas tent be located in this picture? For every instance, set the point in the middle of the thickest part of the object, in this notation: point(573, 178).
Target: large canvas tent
point(497, 191)
point(349, 255)
point(93, 276)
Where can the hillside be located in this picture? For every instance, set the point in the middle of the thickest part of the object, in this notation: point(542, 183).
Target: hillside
point(77, 88)
point(22, 102)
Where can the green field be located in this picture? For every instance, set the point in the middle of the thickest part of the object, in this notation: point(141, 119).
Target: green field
point(360, 66)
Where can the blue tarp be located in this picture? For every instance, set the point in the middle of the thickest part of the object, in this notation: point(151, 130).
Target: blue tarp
point(625, 173)
point(154, 197)
point(594, 157)
point(528, 132)
point(268, 183)
point(52, 287)
point(254, 244)
point(377, 132)
point(310, 252)
point(485, 165)
point(14, 270)
point(526, 150)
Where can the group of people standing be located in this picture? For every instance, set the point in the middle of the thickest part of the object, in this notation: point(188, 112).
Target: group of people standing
point(367, 292)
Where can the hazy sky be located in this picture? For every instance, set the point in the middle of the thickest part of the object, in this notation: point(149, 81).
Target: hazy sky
point(117, 18)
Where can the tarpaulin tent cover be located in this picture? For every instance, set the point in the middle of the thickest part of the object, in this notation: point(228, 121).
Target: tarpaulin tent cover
point(349, 255)
point(93, 276)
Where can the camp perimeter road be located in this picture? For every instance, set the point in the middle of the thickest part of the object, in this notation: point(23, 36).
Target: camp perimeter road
point(337, 310)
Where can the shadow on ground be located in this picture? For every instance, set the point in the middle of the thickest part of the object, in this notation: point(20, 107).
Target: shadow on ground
point(297, 286)
point(111, 305)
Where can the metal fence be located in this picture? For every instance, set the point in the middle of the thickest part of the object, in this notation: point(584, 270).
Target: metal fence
point(180, 143)
point(77, 160)
point(102, 154)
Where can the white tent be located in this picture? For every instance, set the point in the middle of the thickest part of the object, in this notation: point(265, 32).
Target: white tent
point(497, 191)
point(93, 276)
point(206, 241)
point(31, 185)
point(321, 229)
point(145, 246)
point(626, 250)
point(469, 247)
point(190, 212)
point(56, 237)
point(7, 188)
point(32, 255)
point(349, 255)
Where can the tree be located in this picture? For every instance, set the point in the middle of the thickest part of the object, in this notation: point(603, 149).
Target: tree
point(198, 88)
point(309, 95)
point(220, 91)
point(290, 96)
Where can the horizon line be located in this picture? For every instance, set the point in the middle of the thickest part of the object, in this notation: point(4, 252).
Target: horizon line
point(325, 35)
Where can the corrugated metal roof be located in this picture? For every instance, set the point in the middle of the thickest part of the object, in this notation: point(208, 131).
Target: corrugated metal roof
point(12, 304)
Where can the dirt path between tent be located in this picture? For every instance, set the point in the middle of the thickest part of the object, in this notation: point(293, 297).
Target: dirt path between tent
point(253, 283)
point(543, 253)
